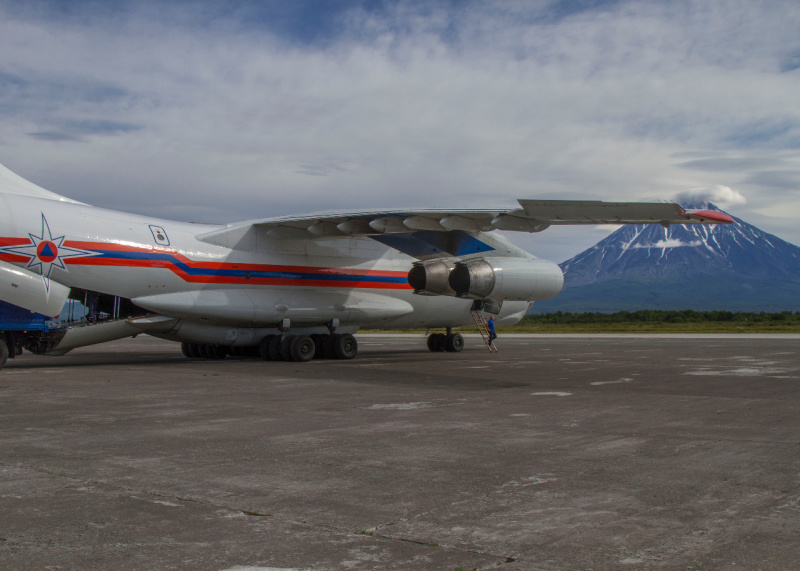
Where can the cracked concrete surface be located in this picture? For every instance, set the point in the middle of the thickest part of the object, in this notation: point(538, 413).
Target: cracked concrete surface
point(556, 453)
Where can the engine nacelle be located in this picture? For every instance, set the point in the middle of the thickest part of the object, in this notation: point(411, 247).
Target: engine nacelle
point(512, 279)
point(518, 279)
point(431, 277)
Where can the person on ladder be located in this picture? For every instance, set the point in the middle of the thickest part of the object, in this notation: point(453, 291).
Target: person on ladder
point(492, 334)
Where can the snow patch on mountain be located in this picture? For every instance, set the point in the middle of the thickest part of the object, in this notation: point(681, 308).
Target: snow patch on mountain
point(723, 266)
point(669, 243)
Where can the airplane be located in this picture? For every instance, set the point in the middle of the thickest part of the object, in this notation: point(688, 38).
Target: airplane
point(282, 288)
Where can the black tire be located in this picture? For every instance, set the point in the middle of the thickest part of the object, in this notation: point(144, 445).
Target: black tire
point(3, 353)
point(185, 350)
point(218, 352)
point(328, 350)
point(431, 346)
point(345, 346)
point(286, 348)
point(194, 351)
point(454, 343)
point(436, 342)
point(275, 348)
point(302, 348)
point(245, 351)
point(263, 348)
point(318, 340)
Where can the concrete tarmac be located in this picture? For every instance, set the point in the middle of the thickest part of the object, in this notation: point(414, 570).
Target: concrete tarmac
point(579, 452)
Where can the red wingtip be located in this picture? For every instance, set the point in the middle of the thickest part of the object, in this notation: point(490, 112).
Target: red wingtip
point(710, 215)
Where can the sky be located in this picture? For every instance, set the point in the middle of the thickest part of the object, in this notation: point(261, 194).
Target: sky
point(218, 111)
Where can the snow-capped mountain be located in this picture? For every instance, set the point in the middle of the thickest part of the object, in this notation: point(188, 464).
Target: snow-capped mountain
point(727, 266)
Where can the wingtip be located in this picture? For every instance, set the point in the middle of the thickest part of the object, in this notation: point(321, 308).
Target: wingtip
point(709, 215)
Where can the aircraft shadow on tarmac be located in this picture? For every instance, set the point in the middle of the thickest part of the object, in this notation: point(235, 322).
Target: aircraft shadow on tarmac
point(386, 365)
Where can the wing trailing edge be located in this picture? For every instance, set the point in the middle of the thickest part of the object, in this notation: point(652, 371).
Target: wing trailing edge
point(533, 216)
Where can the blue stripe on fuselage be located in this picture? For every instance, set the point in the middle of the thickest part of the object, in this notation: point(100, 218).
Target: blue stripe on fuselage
point(241, 273)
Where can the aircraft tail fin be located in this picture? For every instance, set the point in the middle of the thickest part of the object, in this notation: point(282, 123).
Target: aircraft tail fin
point(12, 183)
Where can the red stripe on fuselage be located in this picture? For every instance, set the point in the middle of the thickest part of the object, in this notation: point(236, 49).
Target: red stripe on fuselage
point(14, 258)
point(211, 266)
point(14, 242)
point(239, 267)
point(90, 260)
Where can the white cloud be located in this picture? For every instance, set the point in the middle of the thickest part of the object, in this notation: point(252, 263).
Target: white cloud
point(470, 106)
point(723, 196)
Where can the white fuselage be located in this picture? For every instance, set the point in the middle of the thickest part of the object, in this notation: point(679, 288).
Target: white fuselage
point(162, 266)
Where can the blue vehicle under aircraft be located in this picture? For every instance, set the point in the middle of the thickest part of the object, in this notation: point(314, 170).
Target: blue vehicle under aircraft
point(17, 325)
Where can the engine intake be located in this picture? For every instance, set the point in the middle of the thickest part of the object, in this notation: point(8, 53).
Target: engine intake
point(473, 278)
point(431, 277)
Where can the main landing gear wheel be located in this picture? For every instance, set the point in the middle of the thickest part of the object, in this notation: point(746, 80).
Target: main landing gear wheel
point(203, 351)
point(318, 341)
point(345, 346)
point(245, 351)
point(3, 353)
point(452, 343)
point(269, 348)
point(301, 348)
point(328, 350)
point(285, 348)
point(263, 348)
point(217, 352)
point(436, 342)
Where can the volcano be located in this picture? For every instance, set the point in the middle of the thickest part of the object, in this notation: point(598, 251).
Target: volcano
point(734, 267)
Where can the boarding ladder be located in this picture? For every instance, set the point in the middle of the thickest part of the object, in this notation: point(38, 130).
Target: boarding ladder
point(483, 329)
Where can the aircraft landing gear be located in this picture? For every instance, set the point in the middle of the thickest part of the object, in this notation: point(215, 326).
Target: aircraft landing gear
point(3, 353)
point(345, 346)
point(203, 351)
point(450, 342)
point(269, 348)
point(303, 348)
point(454, 343)
point(297, 348)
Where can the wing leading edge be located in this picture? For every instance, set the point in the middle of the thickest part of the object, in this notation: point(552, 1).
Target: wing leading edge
point(534, 216)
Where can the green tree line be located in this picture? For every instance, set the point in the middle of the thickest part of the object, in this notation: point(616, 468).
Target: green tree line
point(661, 316)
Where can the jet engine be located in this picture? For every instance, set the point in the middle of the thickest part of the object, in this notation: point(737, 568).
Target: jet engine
point(513, 279)
point(431, 277)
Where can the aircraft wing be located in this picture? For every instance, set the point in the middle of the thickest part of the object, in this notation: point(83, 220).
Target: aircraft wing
point(533, 216)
